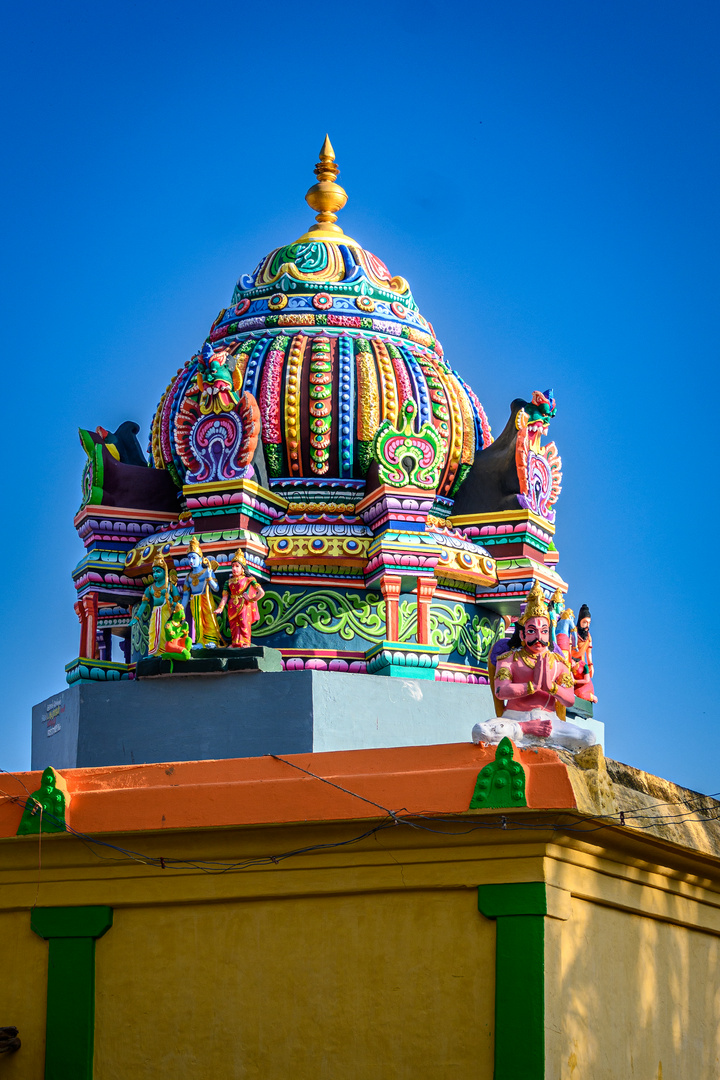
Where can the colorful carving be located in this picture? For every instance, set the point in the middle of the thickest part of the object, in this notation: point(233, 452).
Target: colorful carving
point(177, 636)
point(566, 633)
point(395, 447)
point(218, 445)
point(218, 381)
point(583, 669)
point(555, 607)
point(240, 595)
point(538, 467)
point(156, 605)
point(199, 581)
point(45, 809)
point(535, 684)
point(390, 513)
point(501, 783)
point(321, 379)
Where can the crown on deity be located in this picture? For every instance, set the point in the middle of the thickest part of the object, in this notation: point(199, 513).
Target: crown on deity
point(239, 557)
point(195, 546)
point(536, 608)
point(159, 560)
point(557, 596)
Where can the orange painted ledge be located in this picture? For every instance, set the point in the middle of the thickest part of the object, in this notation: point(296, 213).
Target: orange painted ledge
point(262, 790)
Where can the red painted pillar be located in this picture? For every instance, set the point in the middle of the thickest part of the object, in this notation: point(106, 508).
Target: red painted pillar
point(425, 591)
point(88, 644)
point(80, 612)
point(390, 588)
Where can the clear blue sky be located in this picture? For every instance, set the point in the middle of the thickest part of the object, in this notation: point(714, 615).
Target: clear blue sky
point(543, 172)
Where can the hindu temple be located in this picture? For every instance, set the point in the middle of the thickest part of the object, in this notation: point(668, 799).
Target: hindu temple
point(320, 438)
point(324, 794)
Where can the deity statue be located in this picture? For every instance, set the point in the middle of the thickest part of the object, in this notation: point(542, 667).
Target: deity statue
point(581, 660)
point(218, 381)
point(199, 580)
point(557, 603)
point(240, 594)
point(536, 686)
point(156, 601)
point(177, 635)
point(566, 633)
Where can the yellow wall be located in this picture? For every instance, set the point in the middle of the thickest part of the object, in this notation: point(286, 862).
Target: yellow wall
point(395, 985)
point(635, 997)
point(23, 979)
point(371, 961)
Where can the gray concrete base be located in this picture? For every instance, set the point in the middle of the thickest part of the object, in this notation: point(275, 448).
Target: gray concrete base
point(248, 714)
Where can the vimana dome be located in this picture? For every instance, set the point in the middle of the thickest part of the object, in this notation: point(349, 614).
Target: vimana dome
point(320, 437)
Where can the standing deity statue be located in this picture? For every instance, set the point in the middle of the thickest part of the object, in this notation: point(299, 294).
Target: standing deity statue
point(535, 685)
point(240, 595)
point(157, 602)
point(555, 607)
point(581, 661)
point(566, 633)
point(199, 580)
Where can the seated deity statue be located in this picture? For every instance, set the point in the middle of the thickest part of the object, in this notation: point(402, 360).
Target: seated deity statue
point(535, 684)
point(177, 635)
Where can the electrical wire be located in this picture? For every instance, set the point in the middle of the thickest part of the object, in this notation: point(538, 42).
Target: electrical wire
point(416, 820)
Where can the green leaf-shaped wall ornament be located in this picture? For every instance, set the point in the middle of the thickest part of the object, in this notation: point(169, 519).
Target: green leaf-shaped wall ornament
point(501, 783)
point(406, 458)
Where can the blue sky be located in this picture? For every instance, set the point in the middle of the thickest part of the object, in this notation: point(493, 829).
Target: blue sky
point(544, 174)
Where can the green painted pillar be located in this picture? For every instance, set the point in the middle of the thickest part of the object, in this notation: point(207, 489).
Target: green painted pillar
point(70, 1031)
point(520, 911)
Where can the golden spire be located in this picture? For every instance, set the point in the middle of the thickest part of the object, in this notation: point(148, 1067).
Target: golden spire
point(326, 197)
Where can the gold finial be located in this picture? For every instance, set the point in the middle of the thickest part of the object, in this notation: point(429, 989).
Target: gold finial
point(326, 197)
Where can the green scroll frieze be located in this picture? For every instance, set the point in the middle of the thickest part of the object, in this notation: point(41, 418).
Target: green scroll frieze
point(349, 615)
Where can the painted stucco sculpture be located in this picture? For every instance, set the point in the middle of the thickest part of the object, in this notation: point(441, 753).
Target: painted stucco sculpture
point(177, 636)
point(156, 605)
point(45, 809)
point(501, 783)
point(200, 582)
point(321, 431)
point(583, 669)
point(240, 595)
point(535, 684)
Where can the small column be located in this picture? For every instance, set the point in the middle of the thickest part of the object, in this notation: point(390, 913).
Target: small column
point(70, 1031)
point(425, 591)
point(80, 612)
point(390, 587)
point(88, 644)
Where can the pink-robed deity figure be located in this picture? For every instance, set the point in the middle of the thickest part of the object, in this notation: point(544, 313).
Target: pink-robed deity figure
point(534, 682)
point(581, 659)
point(240, 594)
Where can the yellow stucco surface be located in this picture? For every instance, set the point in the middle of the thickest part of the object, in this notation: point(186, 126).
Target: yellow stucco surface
point(391, 985)
point(631, 997)
point(23, 980)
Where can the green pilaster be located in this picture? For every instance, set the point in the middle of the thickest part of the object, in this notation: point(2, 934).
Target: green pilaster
point(70, 1032)
point(519, 910)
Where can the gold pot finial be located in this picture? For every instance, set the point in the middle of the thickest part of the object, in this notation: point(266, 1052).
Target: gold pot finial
point(326, 196)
